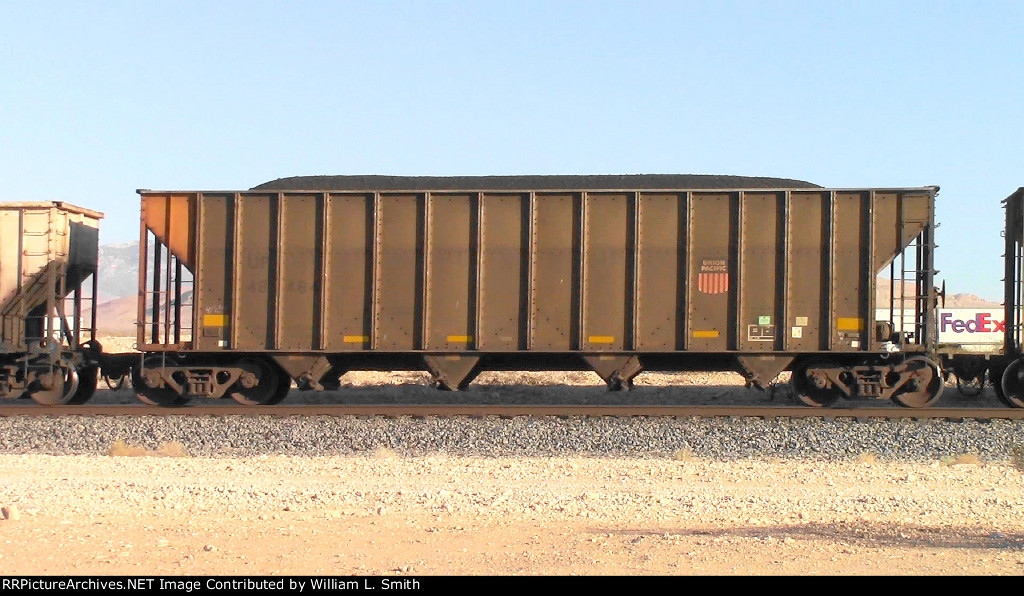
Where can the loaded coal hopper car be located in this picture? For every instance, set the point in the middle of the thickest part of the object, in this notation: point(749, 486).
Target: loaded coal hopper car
point(304, 279)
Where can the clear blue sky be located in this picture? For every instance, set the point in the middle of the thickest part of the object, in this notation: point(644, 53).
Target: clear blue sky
point(100, 98)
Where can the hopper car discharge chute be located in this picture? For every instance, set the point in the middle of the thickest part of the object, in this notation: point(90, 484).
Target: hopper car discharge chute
point(304, 279)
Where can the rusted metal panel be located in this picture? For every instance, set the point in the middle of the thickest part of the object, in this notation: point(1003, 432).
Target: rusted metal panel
point(504, 240)
point(607, 256)
point(554, 269)
point(850, 319)
point(711, 271)
point(171, 217)
point(300, 225)
point(661, 251)
point(886, 243)
point(451, 261)
point(806, 272)
point(348, 272)
point(398, 286)
point(213, 277)
point(255, 232)
point(759, 271)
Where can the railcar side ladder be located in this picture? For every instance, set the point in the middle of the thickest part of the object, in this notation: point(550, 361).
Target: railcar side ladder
point(1013, 261)
point(168, 294)
point(922, 276)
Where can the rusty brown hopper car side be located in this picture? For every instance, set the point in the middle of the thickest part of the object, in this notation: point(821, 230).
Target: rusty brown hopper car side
point(48, 254)
point(242, 291)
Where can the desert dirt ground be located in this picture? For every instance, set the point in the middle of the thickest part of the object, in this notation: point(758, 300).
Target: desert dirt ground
point(137, 513)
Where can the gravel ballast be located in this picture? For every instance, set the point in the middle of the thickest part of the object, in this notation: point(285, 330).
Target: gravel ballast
point(715, 438)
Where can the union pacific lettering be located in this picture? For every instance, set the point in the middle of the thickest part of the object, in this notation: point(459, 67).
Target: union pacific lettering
point(983, 322)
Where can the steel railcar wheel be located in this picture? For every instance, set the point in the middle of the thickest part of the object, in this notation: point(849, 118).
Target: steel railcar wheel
point(1012, 385)
point(62, 391)
point(808, 391)
point(155, 396)
point(88, 377)
point(262, 383)
point(927, 384)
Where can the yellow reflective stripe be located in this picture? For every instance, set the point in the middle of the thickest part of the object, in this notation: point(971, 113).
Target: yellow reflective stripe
point(711, 333)
point(601, 339)
point(215, 320)
point(355, 339)
point(850, 324)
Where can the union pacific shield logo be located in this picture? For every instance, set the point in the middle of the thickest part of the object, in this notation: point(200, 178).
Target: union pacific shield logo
point(714, 276)
point(713, 283)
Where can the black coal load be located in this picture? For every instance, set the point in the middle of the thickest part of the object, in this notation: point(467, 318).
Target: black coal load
point(575, 182)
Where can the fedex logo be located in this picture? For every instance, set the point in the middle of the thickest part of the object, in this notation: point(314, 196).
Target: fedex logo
point(981, 323)
point(981, 326)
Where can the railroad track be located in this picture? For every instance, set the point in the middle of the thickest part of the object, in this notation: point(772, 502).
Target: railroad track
point(434, 410)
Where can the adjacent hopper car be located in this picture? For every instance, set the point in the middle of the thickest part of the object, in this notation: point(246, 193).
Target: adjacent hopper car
point(242, 293)
point(1005, 367)
point(48, 258)
point(305, 279)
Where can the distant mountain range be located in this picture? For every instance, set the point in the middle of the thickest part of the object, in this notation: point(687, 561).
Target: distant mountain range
point(118, 290)
point(961, 300)
point(119, 270)
point(119, 287)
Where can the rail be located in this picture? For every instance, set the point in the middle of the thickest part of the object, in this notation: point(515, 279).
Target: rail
point(508, 411)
